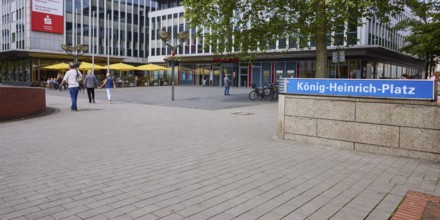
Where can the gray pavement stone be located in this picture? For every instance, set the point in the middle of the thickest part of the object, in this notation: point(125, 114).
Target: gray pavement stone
point(44, 218)
point(73, 217)
point(45, 213)
point(122, 217)
point(222, 216)
point(119, 211)
point(95, 212)
point(20, 213)
point(6, 210)
point(145, 157)
point(30, 204)
point(69, 212)
point(378, 215)
point(270, 216)
point(326, 211)
point(143, 211)
point(152, 217)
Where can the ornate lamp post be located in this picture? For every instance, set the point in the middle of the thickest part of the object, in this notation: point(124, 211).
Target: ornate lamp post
point(76, 50)
point(165, 37)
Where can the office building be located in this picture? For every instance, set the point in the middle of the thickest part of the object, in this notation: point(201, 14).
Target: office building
point(127, 31)
point(370, 51)
point(33, 31)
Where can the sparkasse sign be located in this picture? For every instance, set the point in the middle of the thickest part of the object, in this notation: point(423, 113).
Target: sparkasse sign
point(48, 16)
point(377, 88)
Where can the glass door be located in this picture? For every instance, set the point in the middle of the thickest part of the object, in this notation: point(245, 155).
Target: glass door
point(231, 70)
point(243, 77)
point(256, 75)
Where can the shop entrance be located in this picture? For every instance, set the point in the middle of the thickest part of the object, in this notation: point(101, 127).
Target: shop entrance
point(256, 75)
point(230, 69)
point(243, 79)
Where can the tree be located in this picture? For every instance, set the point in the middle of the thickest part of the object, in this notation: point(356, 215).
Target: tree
point(245, 27)
point(424, 40)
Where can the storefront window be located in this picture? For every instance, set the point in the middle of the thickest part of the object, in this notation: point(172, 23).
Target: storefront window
point(279, 70)
point(379, 70)
point(399, 71)
point(203, 71)
point(353, 72)
point(256, 74)
point(387, 70)
point(267, 75)
point(15, 71)
point(307, 69)
point(394, 72)
point(186, 74)
point(291, 70)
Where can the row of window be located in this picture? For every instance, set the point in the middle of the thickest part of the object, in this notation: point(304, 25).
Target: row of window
point(121, 30)
point(380, 34)
point(170, 4)
point(174, 23)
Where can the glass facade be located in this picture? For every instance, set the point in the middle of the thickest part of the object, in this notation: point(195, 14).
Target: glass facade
point(119, 28)
point(288, 59)
point(127, 31)
point(115, 30)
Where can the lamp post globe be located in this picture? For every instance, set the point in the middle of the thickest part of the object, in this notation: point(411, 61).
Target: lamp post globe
point(165, 37)
point(75, 51)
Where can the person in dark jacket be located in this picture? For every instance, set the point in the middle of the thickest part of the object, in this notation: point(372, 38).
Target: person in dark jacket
point(227, 84)
point(91, 83)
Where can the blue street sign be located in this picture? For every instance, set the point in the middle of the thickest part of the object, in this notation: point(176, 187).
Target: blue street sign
point(377, 88)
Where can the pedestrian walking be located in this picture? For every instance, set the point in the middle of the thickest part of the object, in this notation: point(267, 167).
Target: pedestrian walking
point(59, 80)
point(71, 78)
point(203, 81)
point(91, 83)
point(227, 83)
point(109, 83)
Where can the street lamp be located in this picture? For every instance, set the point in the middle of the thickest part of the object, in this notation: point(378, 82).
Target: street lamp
point(76, 50)
point(165, 37)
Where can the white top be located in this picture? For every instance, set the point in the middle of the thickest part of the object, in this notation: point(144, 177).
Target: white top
point(70, 78)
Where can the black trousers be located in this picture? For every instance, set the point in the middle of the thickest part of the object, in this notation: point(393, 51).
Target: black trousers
point(91, 94)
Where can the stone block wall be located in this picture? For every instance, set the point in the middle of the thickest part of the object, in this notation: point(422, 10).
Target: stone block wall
point(21, 102)
point(386, 126)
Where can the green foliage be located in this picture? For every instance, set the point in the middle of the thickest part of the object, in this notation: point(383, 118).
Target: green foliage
point(424, 41)
point(245, 27)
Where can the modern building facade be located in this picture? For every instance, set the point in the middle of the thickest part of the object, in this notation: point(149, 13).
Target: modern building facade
point(127, 31)
point(371, 51)
point(33, 31)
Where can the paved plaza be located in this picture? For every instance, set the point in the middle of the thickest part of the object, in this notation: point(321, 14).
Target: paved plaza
point(203, 156)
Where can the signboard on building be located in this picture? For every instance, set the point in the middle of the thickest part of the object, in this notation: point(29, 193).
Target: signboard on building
point(48, 16)
point(388, 88)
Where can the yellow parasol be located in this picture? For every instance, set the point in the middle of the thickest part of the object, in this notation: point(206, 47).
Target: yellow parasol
point(88, 66)
point(150, 67)
point(120, 66)
point(58, 66)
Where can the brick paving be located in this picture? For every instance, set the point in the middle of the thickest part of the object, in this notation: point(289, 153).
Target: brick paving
point(418, 205)
point(204, 156)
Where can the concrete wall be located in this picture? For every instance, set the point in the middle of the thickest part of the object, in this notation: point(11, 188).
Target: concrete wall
point(398, 127)
point(21, 102)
